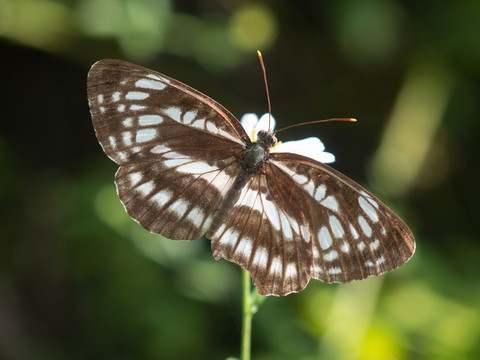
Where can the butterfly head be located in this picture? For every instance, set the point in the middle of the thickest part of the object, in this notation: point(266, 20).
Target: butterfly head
point(266, 139)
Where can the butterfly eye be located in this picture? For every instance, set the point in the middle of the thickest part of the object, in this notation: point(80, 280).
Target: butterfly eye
point(261, 133)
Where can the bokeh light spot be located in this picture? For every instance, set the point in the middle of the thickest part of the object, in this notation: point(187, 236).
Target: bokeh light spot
point(411, 129)
point(101, 17)
point(253, 27)
point(139, 26)
point(39, 23)
point(368, 30)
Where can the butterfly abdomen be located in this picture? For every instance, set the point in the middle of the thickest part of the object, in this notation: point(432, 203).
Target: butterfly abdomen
point(231, 197)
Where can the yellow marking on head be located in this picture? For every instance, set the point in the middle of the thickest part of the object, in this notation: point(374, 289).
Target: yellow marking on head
point(253, 136)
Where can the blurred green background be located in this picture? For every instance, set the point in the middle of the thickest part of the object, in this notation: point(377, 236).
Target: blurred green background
point(80, 280)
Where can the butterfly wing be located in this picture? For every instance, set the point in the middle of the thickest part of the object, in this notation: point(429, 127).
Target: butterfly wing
point(177, 149)
point(307, 220)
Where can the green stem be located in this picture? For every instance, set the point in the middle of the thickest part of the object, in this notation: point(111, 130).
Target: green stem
point(247, 315)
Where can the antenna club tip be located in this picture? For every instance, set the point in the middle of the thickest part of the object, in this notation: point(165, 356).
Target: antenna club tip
point(353, 120)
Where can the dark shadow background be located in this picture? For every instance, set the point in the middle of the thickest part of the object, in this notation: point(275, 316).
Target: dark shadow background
point(80, 280)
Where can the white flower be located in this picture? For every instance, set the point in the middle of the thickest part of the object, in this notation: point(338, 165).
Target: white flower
point(310, 147)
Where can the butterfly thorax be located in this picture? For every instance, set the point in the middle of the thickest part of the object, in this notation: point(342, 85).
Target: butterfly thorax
point(257, 153)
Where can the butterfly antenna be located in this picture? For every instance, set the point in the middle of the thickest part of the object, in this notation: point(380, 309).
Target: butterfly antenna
point(315, 122)
point(266, 87)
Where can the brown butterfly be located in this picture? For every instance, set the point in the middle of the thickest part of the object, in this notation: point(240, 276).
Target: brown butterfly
point(189, 168)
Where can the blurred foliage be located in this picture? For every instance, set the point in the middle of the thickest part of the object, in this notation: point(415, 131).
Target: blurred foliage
point(80, 280)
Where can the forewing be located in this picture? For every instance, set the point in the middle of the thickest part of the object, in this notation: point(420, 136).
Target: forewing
point(135, 109)
point(178, 149)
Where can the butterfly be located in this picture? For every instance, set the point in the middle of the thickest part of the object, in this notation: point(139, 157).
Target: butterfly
point(188, 168)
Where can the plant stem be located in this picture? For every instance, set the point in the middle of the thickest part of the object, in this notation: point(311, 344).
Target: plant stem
point(246, 316)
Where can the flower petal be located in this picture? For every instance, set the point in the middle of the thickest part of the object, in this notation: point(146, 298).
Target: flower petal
point(263, 123)
point(249, 121)
point(311, 147)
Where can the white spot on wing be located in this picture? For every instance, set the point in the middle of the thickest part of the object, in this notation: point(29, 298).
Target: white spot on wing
point(116, 96)
point(361, 246)
point(247, 197)
point(137, 95)
point(286, 228)
point(135, 178)
point(300, 179)
point(334, 271)
point(317, 270)
point(330, 202)
point(180, 207)
point(374, 245)
point(174, 113)
point(345, 247)
point(137, 107)
point(208, 222)
point(244, 248)
point(196, 167)
point(127, 138)
point(320, 192)
point(155, 77)
point(196, 216)
point(294, 224)
point(113, 142)
point(100, 98)
point(309, 187)
point(121, 108)
point(306, 233)
point(121, 155)
point(199, 124)
point(189, 117)
point(150, 84)
point(144, 135)
point(147, 120)
point(177, 162)
point(290, 271)
point(286, 170)
point(336, 227)
point(261, 257)
point(330, 256)
point(367, 230)
point(368, 209)
point(162, 197)
point(128, 122)
point(369, 199)
point(271, 212)
point(373, 202)
point(324, 238)
point(219, 179)
point(146, 188)
point(354, 232)
point(160, 149)
point(276, 266)
point(225, 134)
point(211, 127)
point(229, 237)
